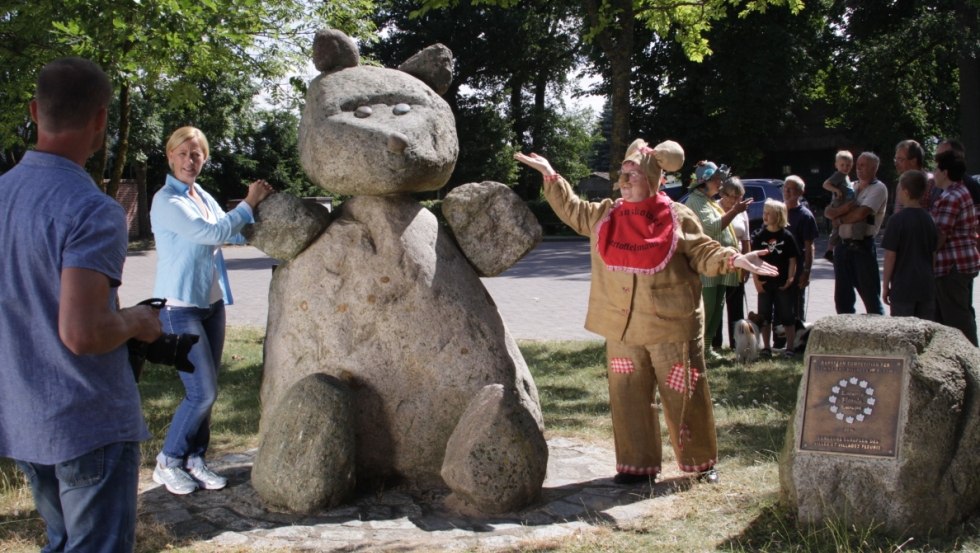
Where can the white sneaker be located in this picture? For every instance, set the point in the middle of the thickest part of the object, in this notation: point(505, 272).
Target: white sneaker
point(174, 479)
point(207, 479)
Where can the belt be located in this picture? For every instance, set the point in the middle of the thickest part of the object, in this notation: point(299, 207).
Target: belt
point(856, 240)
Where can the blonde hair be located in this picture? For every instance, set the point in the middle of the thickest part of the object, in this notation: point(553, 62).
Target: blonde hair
point(845, 154)
point(184, 134)
point(777, 208)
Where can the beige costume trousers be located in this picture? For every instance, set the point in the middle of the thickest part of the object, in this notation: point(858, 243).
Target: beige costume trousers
point(676, 371)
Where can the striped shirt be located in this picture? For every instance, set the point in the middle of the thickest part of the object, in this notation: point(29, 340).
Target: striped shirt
point(710, 214)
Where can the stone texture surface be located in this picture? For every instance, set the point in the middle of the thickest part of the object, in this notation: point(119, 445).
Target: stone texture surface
point(406, 519)
point(491, 224)
point(385, 300)
point(932, 483)
point(285, 225)
point(385, 152)
point(332, 50)
point(496, 457)
point(305, 461)
point(433, 66)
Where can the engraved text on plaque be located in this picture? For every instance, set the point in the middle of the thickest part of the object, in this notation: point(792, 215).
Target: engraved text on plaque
point(852, 405)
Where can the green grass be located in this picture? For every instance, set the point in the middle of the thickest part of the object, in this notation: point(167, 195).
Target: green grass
point(752, 407)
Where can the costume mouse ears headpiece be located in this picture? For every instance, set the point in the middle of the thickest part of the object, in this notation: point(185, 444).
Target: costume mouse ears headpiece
point(666, 156)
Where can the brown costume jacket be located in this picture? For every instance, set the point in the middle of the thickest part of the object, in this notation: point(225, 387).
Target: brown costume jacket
point(640, 309)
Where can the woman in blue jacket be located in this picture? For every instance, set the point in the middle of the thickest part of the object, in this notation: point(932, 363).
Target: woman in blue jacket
point(189, 228)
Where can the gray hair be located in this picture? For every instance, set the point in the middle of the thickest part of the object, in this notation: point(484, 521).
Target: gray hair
point(873, 157)
point(732, 187)
point(796, 180)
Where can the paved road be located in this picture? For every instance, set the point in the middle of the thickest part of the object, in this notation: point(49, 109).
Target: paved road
point(543, 297)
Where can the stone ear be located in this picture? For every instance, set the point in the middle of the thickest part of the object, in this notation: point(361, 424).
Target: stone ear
point(433, 66)
point(333, 50)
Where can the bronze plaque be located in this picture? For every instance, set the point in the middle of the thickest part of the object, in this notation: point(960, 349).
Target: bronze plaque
point(853, 405)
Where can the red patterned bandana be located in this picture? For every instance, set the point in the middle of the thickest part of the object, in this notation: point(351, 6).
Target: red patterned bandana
point(638, 237)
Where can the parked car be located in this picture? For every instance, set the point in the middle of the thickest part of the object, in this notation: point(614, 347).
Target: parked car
point(759, 190)
point(674, 192)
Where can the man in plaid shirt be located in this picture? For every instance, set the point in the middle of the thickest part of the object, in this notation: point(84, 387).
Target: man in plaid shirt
point(957, 259)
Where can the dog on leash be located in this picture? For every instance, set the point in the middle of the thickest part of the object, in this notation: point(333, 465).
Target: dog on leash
point(801, 337)
point(748, 339)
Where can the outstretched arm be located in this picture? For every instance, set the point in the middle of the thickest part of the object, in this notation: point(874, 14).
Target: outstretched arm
point(753, 263)
point(536, 162)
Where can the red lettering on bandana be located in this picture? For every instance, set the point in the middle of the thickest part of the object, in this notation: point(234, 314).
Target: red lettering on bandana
point(638, 237)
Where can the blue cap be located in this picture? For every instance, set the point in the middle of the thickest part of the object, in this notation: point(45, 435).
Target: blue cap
point(706, 170)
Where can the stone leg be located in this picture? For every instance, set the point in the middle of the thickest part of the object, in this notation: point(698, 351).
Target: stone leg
point(497, 456)
point(305, 461)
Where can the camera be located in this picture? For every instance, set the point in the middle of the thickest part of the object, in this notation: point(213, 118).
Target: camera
point(168, 349)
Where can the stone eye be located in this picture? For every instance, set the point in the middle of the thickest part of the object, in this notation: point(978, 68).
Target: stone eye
point(401, 109)
point(363, 111)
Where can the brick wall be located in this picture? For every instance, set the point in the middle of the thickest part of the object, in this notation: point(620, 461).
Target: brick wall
point(126, 196)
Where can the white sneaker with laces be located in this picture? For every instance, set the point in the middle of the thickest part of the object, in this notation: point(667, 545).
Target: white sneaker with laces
point(174, 479)
point(207, 479)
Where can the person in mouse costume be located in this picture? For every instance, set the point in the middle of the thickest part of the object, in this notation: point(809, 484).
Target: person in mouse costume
point(386, 359)
point(645, 300)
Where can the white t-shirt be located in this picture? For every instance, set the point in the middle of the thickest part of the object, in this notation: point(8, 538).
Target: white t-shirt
point(874, 196)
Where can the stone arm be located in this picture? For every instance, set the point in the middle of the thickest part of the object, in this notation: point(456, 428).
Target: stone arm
point(492, 225)
point(285, 225)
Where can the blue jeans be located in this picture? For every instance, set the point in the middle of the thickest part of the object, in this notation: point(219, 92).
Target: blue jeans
point(856, 267)
point(190, 430)
point(88, 503)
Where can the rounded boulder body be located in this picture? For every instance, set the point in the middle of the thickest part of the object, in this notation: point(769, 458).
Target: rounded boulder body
point(925, 486)
point(306, 456)
point(385, 300)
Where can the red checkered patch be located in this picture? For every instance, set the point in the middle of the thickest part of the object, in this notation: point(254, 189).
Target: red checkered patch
point(677, 379)
point(622, 365)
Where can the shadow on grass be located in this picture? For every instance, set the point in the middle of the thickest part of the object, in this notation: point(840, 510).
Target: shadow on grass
point(777, 529)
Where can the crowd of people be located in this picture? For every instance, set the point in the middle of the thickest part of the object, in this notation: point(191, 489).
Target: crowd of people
point(930, 243)
point(662, 274)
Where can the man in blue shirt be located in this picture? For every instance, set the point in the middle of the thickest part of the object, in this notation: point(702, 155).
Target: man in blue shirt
point(803, 226)
point(69, 408)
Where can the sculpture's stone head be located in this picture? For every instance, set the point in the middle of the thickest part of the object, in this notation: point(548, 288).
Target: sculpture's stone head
point(374, 131)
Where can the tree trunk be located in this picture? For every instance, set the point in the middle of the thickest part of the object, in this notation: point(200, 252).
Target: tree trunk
point(142, 201)
point(616, 42)
point(519, 126)
point(537, 124)
point(97, 166)
point(122, 148)
point(969, 66)
point(970, 110)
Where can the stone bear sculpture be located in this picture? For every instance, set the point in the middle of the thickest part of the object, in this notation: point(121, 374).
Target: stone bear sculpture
point(385, 304)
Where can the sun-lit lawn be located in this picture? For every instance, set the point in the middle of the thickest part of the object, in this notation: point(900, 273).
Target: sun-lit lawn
point(752, 407)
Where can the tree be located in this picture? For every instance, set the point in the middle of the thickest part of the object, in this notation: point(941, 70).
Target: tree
point(509, 67)
point(167, 45)
point(610, 25)
point(738, 103)
point(896, 69)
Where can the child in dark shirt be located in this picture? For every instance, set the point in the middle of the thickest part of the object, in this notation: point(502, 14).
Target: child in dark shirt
point(776, 293)
point(908, 284)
